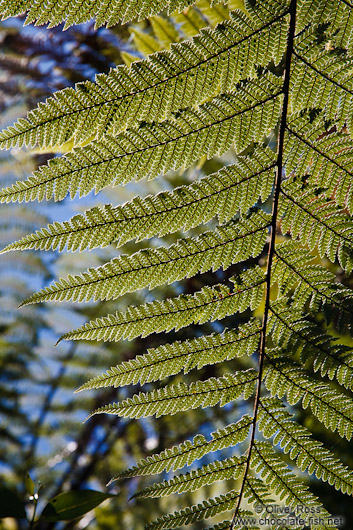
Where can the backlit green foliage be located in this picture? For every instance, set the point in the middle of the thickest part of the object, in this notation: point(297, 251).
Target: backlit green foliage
point(263, 97)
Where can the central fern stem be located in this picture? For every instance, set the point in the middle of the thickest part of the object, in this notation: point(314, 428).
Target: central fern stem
point(271, 249)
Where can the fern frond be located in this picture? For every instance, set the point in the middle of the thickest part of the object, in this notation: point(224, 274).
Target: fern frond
point(292, 332)
point(164, 31)
point(330, 406)
point(295, 275)
point(309, 455)
point(234, 188)
point(326, 156)
point(187, 452)
point(155, 88)
point(170, 359)
point(143, 42)
point(215, 12)
point(236, 241)
point(255, 490)
point(73, 12)
point(231, 119)
point(316, 222)
point(190, 21)
point(331, 163)
point(176, 398)
point(244, 515)
point(337, 14)
point(198, 512)
point(322, 79)
point(210, 303)
point(281, 480)
point(270, 86)
point(196, 479)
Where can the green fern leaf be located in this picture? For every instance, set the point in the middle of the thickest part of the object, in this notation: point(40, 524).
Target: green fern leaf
point(233, 188)
point(296, 440)
point(296, 276)
point(281, 480)
point(187, 452)
point(234, 242)
point(196, 479)
point(170, 359)
point(327, 73)
point(198, 512)
point(337, 14)
point(190, 21)
point(331, 408)
point(143, 42)
point(210, 303)
point(237, 119)
point(176, 398)
point(75, 13)
point(213, 11)
point(164, 31)
point(290, 330)
point(244, 515)
point(325, 156)
point(155, 88)
point(255, 490)
point(316, 222)
point(269, 91)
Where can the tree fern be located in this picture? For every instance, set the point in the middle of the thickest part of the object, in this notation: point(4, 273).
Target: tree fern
point(331, 407)
point(187, 452)
point(172, 399)
point(210, 303)
point(326, 158)
point(149, 268)
point(155, 88)
point(290, 329)
point(233, 188)
point(259, 106)
point(331, 229)
point(152, 148)
point(219, 470)
point(296, 440)
point(170, 359)
point(281, 480)
point(198, 512)
point(69, 11)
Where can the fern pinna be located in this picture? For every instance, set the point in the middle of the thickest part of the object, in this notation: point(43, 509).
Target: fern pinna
point(271, 84)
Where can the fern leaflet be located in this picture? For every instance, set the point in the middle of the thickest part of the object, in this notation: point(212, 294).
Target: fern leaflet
point(187, 452)
point(151, 267)
point(210, 303)
point(170, 359)
point(179, 397)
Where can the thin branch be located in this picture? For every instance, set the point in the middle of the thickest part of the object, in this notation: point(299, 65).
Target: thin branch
point(271, 250)
point(46, 407)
